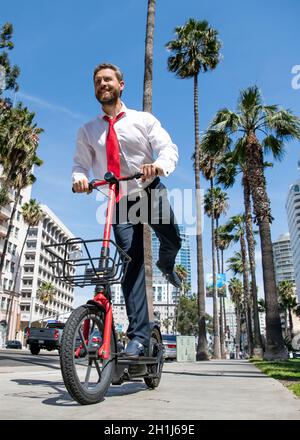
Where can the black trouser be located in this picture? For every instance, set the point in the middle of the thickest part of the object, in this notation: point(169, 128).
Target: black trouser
point(129, 236)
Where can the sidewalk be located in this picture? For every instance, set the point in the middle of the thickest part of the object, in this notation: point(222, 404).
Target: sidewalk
point(225, 389)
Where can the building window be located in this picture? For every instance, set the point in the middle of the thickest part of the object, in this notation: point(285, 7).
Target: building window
point(3, 302)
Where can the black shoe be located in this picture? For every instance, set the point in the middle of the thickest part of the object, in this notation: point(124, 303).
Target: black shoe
point(134, 349)
point(171, 277)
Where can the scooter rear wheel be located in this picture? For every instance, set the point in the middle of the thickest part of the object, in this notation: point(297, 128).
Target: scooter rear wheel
point(155, 350)
point(86, 376)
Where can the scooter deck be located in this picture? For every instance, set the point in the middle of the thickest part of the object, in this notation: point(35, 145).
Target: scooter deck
point(137, 360)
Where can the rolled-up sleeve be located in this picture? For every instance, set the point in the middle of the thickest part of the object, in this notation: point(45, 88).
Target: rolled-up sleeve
point(83, 157)
point(162, 146)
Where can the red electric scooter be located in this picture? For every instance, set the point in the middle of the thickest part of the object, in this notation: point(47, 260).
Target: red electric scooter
point(90, 353)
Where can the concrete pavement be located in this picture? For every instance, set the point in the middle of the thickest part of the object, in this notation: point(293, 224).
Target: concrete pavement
point(225, 389)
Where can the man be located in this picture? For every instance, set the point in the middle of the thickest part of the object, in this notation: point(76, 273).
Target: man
point(125, 142)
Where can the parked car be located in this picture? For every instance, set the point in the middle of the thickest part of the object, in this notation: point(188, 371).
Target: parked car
point(169, 342)
point(48, 338)
point(14, 344)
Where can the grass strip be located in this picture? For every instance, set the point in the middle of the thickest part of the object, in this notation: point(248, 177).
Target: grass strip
point(287, 372)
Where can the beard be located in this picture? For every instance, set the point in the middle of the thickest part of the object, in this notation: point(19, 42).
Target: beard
point(111, 98)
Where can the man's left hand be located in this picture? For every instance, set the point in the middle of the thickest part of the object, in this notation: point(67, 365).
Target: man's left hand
point(150, 170)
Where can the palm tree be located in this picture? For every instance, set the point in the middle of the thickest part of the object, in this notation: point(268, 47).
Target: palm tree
point(288, 301)
point(223, 241)
point(235, 263)
point(208, 168)
point(185, 287)
point(261, 305)
point(32, 214)
point(236, 226)
point(11, 72)
point(229, 168)
point(18, 145)
point(216, 204)
point(147, 107)
point(45, 294)
point(196, 49)
point(209, 209)
point(235, 288)
point(277, 126)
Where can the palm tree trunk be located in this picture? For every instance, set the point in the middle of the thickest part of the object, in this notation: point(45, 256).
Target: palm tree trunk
point(222, 339)
point(246, 295)
point(15, 282)
point(10, 225)
point(291, 329)
point(202, 350)
point(148, 69)
point(2, 259)
point(275, 348)
point(224, 305)
point(216, 327)
point(147, 107)
point(238, 331)
point(258, 347)
point(286, 329)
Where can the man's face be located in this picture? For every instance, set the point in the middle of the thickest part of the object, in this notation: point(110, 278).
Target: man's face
point(107, 86)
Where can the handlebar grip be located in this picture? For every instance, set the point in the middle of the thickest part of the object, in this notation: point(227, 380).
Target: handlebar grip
point(138, 175)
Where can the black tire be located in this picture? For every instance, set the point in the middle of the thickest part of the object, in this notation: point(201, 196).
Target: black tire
point(156, 350)
point(34, 349)
point(85, 391)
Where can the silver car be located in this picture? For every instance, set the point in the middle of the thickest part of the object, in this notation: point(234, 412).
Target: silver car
point(170, 344)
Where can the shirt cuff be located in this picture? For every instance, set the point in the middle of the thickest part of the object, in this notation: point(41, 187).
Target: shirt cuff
point(164, 166)
point(78, 176)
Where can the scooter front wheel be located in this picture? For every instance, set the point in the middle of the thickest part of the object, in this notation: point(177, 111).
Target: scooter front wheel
point(87, 377)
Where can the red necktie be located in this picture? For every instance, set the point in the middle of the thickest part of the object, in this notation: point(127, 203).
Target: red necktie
point(112, 149)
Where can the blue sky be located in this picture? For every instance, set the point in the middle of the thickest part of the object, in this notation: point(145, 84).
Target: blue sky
point(58, 44)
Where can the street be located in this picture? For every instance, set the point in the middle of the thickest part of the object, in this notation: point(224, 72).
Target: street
point(23, 358)
point(31, 387)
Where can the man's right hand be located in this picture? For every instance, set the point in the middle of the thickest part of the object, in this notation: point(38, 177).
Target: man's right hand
point(81, 186)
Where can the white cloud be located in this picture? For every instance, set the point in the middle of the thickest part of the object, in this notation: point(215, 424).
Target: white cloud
point(53, 107)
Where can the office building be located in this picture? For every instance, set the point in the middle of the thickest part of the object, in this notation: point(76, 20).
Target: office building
point(283, 259)
point(36, 269)
point(293, 217)
point(9, 299)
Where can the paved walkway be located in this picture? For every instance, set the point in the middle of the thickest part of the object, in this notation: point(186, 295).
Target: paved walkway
point(227, 389)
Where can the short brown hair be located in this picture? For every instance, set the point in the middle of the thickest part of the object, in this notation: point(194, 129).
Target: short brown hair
point(113, 67)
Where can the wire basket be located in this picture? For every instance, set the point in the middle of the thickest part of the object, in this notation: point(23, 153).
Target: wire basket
point(73, 262)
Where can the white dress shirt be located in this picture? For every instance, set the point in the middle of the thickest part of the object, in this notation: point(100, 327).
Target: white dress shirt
point(142, 140)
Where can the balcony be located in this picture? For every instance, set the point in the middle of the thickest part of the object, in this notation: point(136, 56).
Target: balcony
point(3, 231)
point(5, 212)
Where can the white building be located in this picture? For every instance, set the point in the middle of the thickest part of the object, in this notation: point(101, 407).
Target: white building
point(165, 300)
point(293, 216)
point(119, 308)
point(9, 312)
point(36, 269)
point(283, 259)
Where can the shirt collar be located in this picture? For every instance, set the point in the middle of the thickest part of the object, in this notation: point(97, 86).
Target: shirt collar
point(123, 109)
